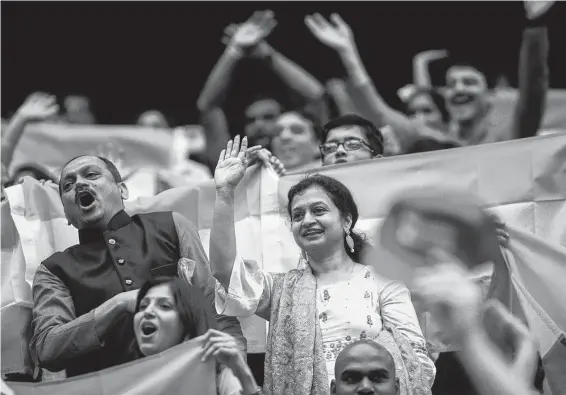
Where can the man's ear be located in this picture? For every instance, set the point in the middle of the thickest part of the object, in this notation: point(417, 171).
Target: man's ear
point(333, 387)
point(397, 387)
point(124, 191)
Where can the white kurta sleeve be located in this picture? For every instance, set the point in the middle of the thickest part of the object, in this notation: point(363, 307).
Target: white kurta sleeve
point(250, 291)
point(398, 311)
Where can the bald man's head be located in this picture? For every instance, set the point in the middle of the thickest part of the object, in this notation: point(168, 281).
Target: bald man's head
point(365, 367)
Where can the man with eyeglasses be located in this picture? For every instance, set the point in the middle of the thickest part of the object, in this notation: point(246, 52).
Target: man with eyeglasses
point(350, 138)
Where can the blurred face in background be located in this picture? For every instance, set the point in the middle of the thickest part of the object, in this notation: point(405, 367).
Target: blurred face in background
point(295, 142)
point(352, 146)
point(260, 120)
point(153, 119)
point(78, 111)
point(467, 94)
point(423, 110)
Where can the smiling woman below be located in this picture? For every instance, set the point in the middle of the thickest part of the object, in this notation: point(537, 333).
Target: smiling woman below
point(170, 311)
point(317, 310)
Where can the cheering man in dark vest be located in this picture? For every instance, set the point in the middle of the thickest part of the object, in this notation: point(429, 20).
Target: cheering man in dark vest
point(84, 297)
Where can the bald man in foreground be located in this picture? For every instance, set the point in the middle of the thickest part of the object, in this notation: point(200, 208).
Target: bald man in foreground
point(364, 367)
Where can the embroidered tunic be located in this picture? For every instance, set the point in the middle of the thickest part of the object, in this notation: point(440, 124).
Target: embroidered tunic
point(349, 310)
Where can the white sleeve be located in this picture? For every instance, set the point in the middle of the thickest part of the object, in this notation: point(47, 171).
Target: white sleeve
point(398, 311)
point(250, 291)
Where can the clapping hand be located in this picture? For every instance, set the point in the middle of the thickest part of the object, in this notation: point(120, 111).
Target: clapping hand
point(232, 164)
point(260, 51)
point(38, 107)
point(250, 33)
point(337, 35)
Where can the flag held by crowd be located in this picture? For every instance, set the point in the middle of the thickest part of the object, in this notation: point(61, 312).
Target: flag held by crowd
point(523, 181)
point(177, 371)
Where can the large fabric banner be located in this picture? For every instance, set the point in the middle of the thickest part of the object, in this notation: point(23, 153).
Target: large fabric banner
point(177, 371)
point(523, 181)
point(51, 145)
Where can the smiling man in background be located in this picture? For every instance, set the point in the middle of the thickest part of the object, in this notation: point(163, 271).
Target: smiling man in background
point(84, 297)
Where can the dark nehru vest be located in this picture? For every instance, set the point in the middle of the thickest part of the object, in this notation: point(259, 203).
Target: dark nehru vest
point(131, 251)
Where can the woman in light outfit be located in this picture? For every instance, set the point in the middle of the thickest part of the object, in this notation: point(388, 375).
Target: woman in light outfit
point(316, 310)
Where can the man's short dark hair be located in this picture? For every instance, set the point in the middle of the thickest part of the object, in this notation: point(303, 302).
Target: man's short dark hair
point(109, 165)
point(373, 135)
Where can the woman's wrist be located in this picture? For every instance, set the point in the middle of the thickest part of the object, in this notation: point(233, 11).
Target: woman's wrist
point(225, 194)
point(234, 50)
point(243, 373)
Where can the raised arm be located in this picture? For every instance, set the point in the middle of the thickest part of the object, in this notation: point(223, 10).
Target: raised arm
point(215, 126)
point(229, 172)
point(300, 81)
point(421, 62)
point(339, 93)
point(533, 74)
point(294, 76)
point(37, 107)
point(338, 36)
point(246, 36)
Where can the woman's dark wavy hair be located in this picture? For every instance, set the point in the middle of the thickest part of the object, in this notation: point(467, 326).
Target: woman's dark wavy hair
point(196, 316)
point(342, 199)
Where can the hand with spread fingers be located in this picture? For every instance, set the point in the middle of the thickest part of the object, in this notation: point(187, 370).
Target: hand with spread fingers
point(336, 34)
point(232, 163)
point(38, 107)
point(250, 33)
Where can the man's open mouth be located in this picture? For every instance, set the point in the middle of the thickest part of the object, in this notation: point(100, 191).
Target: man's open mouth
point(85, 199)
point(462, 98)
point(148, 328)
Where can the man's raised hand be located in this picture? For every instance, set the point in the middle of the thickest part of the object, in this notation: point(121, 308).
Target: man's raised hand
point(336, 34)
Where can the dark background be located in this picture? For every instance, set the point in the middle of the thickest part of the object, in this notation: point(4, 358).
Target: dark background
point(132, 56)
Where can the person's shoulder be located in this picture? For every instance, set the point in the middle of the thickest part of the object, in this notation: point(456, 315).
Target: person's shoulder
point(58, 258)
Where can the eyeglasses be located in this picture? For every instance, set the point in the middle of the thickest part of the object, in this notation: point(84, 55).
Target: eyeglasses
point(351, 144)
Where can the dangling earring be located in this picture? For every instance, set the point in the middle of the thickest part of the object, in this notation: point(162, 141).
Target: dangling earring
point(349, 241)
